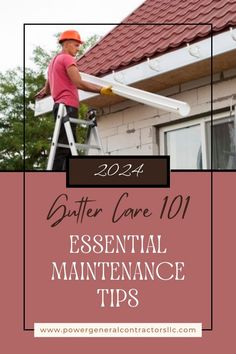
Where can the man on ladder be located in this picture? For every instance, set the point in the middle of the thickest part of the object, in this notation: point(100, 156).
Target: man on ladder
point(63, 83)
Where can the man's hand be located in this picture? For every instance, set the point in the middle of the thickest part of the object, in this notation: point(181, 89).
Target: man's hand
point(41, 93)
point(75, 77)
point(107, 91)
point(44, 92)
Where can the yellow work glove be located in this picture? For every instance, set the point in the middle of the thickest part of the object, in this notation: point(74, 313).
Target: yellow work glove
point(106, 91)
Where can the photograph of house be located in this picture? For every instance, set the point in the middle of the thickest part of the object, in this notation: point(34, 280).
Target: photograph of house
point(185, 50)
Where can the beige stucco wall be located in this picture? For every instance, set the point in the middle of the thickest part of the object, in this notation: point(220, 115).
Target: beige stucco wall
point(129, 128)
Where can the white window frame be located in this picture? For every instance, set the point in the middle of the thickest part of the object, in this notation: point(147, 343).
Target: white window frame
point(188, 123)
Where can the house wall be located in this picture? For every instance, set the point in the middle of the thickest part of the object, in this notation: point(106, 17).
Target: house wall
point(129, 128)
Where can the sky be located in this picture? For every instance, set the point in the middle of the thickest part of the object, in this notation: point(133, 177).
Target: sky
point(15, 13)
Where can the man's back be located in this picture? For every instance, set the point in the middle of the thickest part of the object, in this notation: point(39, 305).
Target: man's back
point(62, 88)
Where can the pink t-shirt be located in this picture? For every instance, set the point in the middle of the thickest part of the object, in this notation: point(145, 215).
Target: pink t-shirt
point(62, 88)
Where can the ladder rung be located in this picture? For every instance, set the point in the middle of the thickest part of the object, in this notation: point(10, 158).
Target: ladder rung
point(81, 121)
point(84, 146)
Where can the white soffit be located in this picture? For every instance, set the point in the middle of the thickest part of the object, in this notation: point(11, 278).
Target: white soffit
point(190, 54)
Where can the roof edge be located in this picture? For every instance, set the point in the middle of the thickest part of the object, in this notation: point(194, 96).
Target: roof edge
point(181, 57)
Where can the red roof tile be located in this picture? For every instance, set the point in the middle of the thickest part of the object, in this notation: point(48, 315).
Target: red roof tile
point(136, 39)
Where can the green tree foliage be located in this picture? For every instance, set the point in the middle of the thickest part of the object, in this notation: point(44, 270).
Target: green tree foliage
point(29, 137)
point(38, 130)
point(11, 120)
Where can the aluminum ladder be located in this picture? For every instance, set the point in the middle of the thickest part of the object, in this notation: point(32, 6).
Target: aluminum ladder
point(63, 118)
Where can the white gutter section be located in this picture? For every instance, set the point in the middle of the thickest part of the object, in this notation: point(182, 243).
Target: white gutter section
point(191, 54)
point(150, 99)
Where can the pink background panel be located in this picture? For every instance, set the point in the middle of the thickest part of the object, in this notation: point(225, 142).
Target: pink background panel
point(157, 300)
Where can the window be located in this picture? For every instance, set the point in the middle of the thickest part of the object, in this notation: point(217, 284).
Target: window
point(189, 143)
point(184, 147)
point(223, 143)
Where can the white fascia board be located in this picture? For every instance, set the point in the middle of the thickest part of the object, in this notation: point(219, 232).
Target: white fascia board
point(188, 55)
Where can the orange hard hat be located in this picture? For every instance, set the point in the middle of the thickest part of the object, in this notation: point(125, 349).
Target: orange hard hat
point(70, 35)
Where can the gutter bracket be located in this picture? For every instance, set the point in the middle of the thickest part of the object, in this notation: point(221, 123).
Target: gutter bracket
point(119, 77)
point(194, 50)
point(233, 33)
point(154, 64)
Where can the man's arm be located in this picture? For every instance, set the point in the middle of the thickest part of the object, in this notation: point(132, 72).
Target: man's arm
point(75, 77)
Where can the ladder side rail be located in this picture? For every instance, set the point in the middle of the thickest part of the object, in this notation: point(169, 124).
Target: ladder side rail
point(56, 132)
point(70, 137)
point(94, 132)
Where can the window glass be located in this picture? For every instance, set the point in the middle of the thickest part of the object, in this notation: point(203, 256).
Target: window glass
point(184, 147)
point(223, 143)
